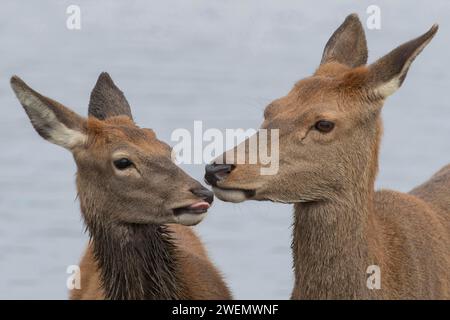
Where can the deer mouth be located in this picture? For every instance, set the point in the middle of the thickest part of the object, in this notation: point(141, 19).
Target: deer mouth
point(192, 214)
point(196, 208)
point(233, 195)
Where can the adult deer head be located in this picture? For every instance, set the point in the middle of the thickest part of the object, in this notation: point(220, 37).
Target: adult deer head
point(329, 125)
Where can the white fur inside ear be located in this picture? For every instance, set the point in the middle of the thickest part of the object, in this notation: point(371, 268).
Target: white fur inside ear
point(45, 120)
point(67, 138)
point(388, 88)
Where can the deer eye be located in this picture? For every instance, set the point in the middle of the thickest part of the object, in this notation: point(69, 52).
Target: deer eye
point(122, 163)
point(324, 126)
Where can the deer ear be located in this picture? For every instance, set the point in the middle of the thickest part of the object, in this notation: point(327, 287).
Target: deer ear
point(387, 74)
point(52, 120)
point(347, 45)
point(107, 100)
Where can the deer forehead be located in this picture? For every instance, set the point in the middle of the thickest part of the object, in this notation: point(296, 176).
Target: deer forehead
point(309, 98)
point(109, 133)
point(317, 98)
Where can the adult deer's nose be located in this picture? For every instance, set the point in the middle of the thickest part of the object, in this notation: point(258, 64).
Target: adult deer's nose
point(215, 172)
point(204, 193)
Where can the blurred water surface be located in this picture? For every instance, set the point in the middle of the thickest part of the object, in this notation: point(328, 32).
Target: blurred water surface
point(179, 61)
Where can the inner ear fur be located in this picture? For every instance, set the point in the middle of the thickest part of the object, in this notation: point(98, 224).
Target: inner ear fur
point(387, 74)
point(51, 120)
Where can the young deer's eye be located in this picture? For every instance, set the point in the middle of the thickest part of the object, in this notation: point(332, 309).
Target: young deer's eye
point(324, 126)
point(122, 163)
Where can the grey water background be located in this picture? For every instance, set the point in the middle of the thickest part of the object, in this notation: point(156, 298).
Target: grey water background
point(180, 61)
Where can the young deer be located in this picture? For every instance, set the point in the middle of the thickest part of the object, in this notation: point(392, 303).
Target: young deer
point(128, 189)
point(329, 136)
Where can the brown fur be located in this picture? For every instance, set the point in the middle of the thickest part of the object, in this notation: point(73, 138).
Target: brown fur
point(132, 254)
point(199, 277)
point(341, 225)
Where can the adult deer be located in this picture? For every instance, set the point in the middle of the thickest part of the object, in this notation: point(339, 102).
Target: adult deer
point(128, 189)
point(329, 136)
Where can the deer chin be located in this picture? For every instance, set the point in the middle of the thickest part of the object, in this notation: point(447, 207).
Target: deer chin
point(233, 195)
point(190, 219)
point(192, 214)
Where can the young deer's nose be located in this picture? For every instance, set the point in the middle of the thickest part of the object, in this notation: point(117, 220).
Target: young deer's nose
point(215, 172)
point(204, 193)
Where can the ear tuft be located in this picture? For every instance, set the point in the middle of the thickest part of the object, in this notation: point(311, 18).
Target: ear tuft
point(348, 44)
point(107, 100)
point(387, 74)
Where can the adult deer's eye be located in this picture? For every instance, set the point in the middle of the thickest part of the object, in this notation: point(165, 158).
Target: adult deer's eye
point(122, 163)
point(324, 126)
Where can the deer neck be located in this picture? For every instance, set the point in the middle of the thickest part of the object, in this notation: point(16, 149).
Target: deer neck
point(136, 261)
point(330, 245)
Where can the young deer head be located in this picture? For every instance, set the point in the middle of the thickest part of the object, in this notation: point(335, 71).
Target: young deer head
point(123, 169)
point(329, 125)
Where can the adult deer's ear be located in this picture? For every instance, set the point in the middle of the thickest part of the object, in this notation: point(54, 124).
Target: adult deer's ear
point(107, 100)
point(52, 120)
point(387, 74)
point(347, 45)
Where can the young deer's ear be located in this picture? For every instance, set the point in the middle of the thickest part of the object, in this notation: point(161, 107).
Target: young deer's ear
point(387, 74)
point(348, 44)
point(52, 120)
point(107, 100)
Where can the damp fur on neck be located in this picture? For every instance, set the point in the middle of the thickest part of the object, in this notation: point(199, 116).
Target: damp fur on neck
point(136, 261)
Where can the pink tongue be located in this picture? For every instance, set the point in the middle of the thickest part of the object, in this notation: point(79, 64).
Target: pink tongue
point(202, 205)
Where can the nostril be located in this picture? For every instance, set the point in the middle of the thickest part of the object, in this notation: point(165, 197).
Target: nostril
point(204, 193)
point(215, 172)
point(209, 196)
point(231, 168)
